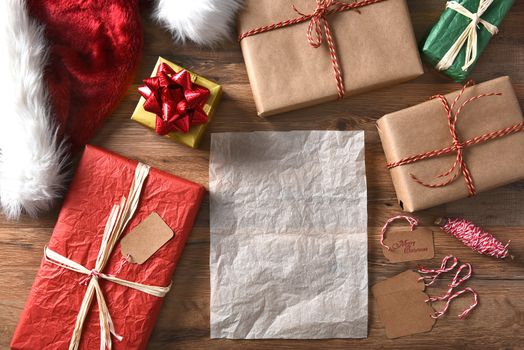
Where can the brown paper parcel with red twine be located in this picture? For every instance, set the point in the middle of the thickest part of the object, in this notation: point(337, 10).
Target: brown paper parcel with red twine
point(374, 43)
point(424, 128)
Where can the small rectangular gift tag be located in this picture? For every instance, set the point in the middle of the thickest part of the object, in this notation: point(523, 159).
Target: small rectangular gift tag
point(402, 305)
point(409, 245)
point(145, 239)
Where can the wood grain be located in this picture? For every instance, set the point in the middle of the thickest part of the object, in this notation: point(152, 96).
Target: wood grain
point(184, 321)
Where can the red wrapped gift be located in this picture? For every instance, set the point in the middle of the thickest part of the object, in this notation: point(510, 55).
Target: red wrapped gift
point(101, 180)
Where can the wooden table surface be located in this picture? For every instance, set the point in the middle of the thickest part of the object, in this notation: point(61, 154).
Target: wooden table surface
point(184, 320)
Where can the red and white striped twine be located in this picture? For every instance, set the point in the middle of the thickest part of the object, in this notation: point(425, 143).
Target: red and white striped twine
point(464, 313)
point(458, 146)
point(319, 24)
point(413, 222)
point(457, 281)
point(476, 238)
point(433, 274)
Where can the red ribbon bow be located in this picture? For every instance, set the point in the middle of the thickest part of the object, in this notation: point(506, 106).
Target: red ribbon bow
point(176, 101)
point(458, 146)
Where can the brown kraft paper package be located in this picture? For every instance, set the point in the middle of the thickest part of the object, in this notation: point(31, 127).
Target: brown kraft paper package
point(375, 46)
point(424, 128)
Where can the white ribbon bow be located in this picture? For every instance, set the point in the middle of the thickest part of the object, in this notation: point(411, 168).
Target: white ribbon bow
point(118, 219)
point(468, 36)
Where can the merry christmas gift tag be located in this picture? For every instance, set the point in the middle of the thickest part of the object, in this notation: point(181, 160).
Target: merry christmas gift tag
point(402, 305)
point(145, 239)
point(408, 245)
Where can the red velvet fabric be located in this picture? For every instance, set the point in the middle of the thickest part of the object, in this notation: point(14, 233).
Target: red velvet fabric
point(95, 46)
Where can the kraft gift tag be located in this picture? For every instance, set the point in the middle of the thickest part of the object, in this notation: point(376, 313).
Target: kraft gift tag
point(402, 305)
point(145, 239)
point(409, 245)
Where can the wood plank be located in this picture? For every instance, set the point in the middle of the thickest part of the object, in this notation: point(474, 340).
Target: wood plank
point(184, 320)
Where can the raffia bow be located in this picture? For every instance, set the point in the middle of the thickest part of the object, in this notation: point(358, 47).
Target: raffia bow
point(468, 36)
point(117, 221)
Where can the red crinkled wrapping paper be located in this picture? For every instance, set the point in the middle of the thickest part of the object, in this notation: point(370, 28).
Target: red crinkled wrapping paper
point(101, 179)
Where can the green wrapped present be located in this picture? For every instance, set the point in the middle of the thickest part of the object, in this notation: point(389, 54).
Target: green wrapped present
point(462, 33)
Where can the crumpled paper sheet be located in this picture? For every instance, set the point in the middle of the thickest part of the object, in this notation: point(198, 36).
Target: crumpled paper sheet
point(288, 235)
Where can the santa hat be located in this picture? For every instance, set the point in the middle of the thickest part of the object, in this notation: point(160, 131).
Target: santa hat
point(64, 66)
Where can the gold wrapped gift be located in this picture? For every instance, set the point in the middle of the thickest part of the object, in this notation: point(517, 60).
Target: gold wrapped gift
point(193, 136)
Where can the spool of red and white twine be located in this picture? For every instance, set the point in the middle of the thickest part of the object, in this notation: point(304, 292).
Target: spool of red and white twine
point(474, 237)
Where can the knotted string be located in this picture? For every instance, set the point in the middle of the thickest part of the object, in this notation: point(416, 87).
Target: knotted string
point(464, 313)
point(318, 28)
point(458, 146)
point(117, 221)
point(320, 25)
point(469, 36)
point(413, 222)
point(457, 281)
point(84, 281)
point(433, 274)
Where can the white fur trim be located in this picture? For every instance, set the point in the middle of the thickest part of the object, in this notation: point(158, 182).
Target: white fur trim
point(31, 156)
point(205, 22)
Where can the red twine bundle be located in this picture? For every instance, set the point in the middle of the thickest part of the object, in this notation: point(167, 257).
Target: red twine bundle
point(474, 237)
